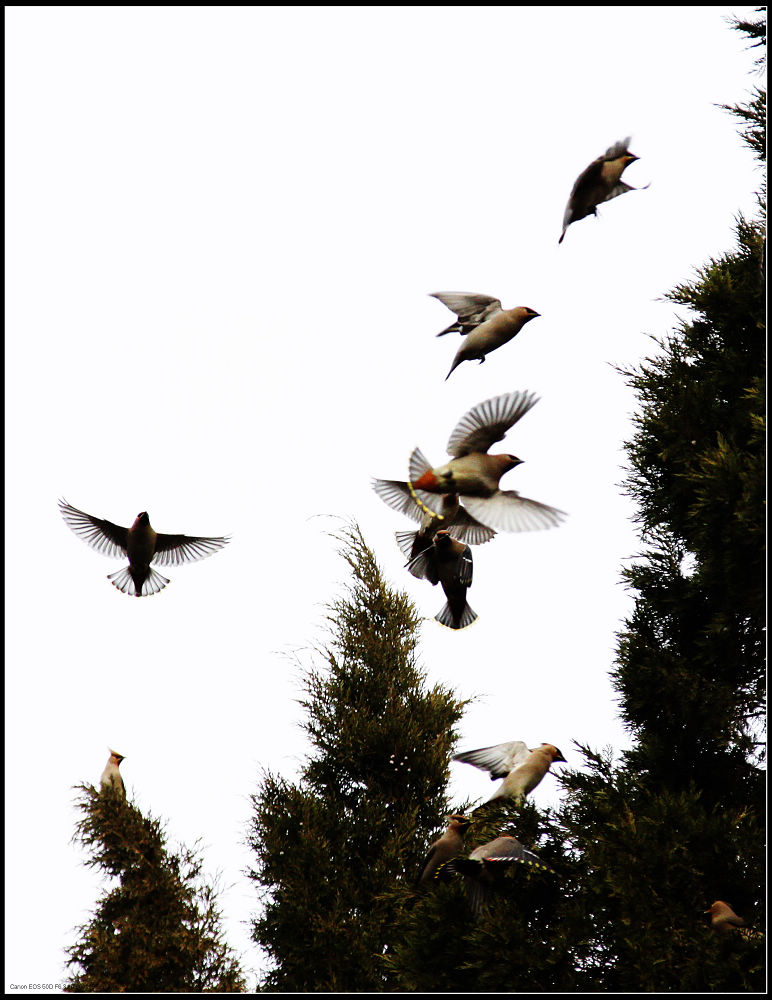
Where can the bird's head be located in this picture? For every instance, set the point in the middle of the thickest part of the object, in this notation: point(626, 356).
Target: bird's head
point(459, 822)
point(143, 518)
point(557, 756)
point(118, 756)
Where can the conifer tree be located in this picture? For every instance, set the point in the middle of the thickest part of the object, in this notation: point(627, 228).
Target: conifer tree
point(337, 852)
point(678, 822)
point(157, 929)
point(642, 846)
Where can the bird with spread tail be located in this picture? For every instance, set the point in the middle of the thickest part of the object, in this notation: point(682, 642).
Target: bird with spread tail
point(474, 475)
point(142, 545)
point(522, 769)
point(451, 515)
point(111, 779)
point(599, 182)
point(448, 846)
point(494, 328)
point(485, 866)
point(448, 562)
point(724, 920)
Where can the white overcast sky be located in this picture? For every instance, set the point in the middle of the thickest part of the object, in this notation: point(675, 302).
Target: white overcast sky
point(223, 224)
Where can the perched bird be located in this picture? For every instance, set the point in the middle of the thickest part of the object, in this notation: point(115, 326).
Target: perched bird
point(496, 331)
point(471, 308)
point(446, 847)
point(450, 515)
point(142, 545)
point(598, 183)
point(448, 562)
point(486, 865)
point(522, 769)
point(474, 475)
point(111, 776)
point(724, 920)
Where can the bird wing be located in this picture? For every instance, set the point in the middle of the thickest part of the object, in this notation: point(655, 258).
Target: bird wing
point(466, 529)
point(618, 149)
point(173, 550)
point(508, 511)
point(469, 306)
point(465, 567)
point(398, 496)
point(488, 422)
point(618, 189)
point(104, 536)
point(424, 566)
point(505, 850)
point(499, 759)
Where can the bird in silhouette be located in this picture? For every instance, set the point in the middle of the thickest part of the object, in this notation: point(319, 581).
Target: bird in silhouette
point(448, 562)
point(444, 848)
point(599, 182)
point(141, 545)
point(484, 868)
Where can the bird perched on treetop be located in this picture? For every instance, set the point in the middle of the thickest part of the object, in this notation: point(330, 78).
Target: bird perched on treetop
point(142, 545)
point(111, 776)
point(522, 769)
point(724, 920)
point(445, 847)
point(486, 865)
point(448, 562)
point(474, 475)
point(598, 183)
point(495, 326)
point(451, 516)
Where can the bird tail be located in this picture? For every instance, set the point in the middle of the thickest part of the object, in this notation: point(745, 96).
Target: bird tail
point(124, 581)
point(456, 362)
point(447, 618)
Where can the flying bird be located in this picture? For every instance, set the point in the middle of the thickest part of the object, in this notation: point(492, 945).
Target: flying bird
point(471, 308)
point(496, 331)
point(474, 475)
point(449, 515)
point(444, 848)
point(599, 182)
point(724, 920)
point(142, 545)
point(522, 769)
point(448, 562)
point(486, 865)
point(111, 777)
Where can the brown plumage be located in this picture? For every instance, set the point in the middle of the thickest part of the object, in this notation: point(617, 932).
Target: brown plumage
point(474, 475)
point(448, 562)
point(142, 545)
point(724, 920)
point(111, 779)
point(599, 182)
point(522, 769)
point(445, 512)
point(486, 866)
point(448, 846)
point(496, 331)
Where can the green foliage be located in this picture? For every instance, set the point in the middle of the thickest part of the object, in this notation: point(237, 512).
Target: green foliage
point(158, 929)
point(336, 853)
point(678, 823)
point(652, 862)
point(520, 943)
